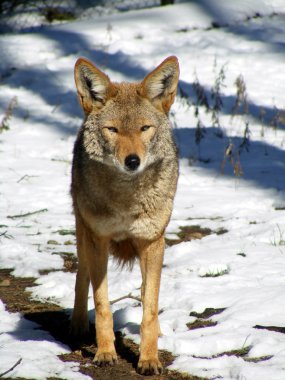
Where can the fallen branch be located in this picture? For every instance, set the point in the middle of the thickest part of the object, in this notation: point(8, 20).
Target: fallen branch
point(11, 369)
point(26, 176)
point(5, 234)
point(27, 214)
point(124, 297)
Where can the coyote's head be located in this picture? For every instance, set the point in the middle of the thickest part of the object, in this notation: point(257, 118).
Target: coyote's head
point(126, 124)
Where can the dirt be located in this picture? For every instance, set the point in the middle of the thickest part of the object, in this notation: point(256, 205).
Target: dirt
point(203, 319)
point(188, 233)
point(55, 320)
point(271, 328)
point(207, 313)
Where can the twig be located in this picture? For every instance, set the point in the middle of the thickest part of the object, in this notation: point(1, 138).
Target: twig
point(11, 369)
point(26, 176)
point(124, 297)
point(6, 235)
point(27, 214)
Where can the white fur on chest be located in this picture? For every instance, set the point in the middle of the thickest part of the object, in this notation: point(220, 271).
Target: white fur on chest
point(121, 228)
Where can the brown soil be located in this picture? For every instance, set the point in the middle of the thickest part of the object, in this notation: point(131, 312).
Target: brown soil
point(55, 320)
point(207, 313)
point(271, 328)
point(201, 323)
point(188, 233)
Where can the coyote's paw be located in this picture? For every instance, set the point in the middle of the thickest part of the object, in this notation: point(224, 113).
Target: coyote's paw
point(149, 367)
point(105, 358)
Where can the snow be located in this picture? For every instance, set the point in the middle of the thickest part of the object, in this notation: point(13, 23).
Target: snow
point(242, 271)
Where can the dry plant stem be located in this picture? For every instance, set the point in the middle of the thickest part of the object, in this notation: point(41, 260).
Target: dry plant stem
point(27, 214)
point(124, 297)
point(8, 114)
point(11, 369)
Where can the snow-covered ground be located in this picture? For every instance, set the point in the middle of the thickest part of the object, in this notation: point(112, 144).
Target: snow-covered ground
point(243, 270)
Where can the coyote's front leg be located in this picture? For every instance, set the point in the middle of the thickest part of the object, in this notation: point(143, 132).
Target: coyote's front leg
point(79, 327)
point(93, 254)
point(151, 258)
point(98, 263)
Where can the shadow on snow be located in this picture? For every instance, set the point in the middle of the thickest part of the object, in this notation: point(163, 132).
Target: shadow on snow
point(263, 164)
point(249, 28)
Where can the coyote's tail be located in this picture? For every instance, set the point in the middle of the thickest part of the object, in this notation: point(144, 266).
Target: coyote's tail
point(124, 252)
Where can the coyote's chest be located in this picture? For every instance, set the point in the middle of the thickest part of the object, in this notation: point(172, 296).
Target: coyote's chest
point(143, 217)
point(120, 227)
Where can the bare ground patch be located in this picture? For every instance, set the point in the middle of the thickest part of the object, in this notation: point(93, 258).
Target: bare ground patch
point(188, 233)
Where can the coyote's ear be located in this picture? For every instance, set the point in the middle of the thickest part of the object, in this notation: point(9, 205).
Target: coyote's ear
point(93, 86)
point(160, 85)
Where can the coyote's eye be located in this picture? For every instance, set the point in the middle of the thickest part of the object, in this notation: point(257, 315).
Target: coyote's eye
point(112, 129)
point(145, 128)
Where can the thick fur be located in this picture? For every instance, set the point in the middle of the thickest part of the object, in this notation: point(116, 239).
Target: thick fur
point(120, 209)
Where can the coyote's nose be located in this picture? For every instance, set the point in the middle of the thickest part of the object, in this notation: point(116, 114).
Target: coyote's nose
point(132, 162)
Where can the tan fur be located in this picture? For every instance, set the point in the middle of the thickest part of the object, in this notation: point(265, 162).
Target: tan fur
point(120, 209)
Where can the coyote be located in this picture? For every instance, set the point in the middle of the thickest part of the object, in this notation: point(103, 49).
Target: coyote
point(124, 177)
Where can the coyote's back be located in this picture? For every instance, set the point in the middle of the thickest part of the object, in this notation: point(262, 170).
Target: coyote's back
point(124, 178)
